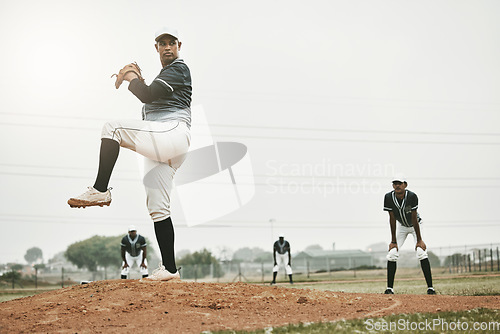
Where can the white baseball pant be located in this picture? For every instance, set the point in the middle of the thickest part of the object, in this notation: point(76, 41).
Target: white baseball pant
point(282, 259)
point(134, 259)
point(402, 233)
point(164, 146)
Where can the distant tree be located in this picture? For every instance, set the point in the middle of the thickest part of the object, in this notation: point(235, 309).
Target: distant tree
point(313, 247)
point(98, 251)
point(35, 275)
point(16, 267)
point(33, 255)
point(58, 257)
point(95, 251)
point(84, 254)
point(255, 254)
point(59, 260)
point(110, 253)
point(224, 253)
point(11, 276)
point(434, 259)
point(260, 255)
point(379, 247)
point(243, 254)
point(198, 264)
point(14, 275)
point(180, 254)
point(452, 259)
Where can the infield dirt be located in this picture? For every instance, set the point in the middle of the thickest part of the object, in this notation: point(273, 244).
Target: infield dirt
point(126, 306)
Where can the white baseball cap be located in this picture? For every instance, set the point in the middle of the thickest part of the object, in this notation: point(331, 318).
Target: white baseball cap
point(166, 31)
point(399, 178)
point(132, 228)
point(282, 235)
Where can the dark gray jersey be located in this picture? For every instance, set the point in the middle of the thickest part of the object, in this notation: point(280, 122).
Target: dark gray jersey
point(175, 78)
point(133, 247)
point(281, 248)
point(401, 208)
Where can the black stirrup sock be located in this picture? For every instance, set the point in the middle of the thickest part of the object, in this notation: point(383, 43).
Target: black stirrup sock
point(426, 268)
point(391, 272)
point(107, 159)
point(164, 231)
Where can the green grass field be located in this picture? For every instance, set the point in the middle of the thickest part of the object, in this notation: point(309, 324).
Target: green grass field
point(447, 285)
point(473, 321)
point(8, 296)
point(408, 281)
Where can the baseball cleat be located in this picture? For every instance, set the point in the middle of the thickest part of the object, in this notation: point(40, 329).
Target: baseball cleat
point(389, 291)
point(431, 291)
point(91, 197)
point(162, 274)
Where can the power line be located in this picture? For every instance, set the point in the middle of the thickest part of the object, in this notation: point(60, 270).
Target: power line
point(43, 166)
point(49, 126)
point(357, 131)
point(369, 141)
point(321, 139)
point(259, 127)
point(249, 222)
point(240, 223)
point(286, 176)
point(58, 167)
point(295, 186)
point(85, 118)
point(318, 99)
point(62, 176)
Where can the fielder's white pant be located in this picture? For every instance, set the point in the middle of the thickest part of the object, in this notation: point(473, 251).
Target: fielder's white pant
point(282, 259)
point(164, 146)
point(401, 233)
point(134, 259)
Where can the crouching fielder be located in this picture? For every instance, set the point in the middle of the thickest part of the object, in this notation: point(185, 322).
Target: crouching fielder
point(402, 206)
point(282, 256)
point(134, 251)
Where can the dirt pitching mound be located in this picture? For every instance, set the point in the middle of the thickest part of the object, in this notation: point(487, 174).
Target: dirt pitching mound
point(124, 306)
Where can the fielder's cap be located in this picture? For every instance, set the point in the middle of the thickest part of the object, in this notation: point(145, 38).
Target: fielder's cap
point(399, 178)
point(132, 228)
point(166, 31)
point(282, 235)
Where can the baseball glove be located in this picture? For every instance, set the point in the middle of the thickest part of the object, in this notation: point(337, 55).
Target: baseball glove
point(132, 67)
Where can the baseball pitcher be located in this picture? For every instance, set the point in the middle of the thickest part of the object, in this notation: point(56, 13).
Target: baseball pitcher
point(162, 137)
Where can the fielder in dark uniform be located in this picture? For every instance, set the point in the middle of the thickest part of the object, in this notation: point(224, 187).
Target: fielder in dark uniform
point(282, 255)
point(162, 137)
point(134, 251)
point(402, 206)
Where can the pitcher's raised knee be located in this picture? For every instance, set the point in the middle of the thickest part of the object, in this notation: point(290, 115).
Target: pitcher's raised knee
point(110, 131)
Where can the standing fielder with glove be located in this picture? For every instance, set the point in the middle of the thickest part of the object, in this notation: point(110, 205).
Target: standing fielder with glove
point(162, 138)
point(402, 206)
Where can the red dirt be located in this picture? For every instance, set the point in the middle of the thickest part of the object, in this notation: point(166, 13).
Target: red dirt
point(118, 306)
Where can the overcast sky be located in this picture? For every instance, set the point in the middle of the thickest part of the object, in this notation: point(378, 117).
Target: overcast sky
point(330, 97)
